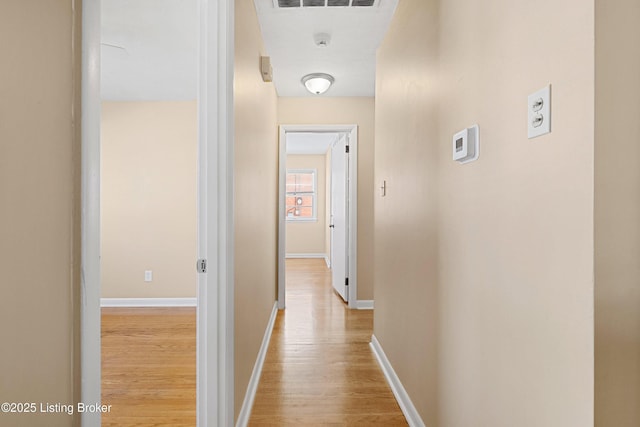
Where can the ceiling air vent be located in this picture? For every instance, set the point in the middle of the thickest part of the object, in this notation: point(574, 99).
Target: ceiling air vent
point(323, 3)
point(288, 3)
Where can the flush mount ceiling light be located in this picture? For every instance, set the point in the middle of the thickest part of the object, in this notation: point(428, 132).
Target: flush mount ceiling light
point(317, 83)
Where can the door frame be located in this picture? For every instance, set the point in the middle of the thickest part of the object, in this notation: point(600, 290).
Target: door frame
point(352, 203)
point(90, 341)
point(215, 355)
point(215, 317)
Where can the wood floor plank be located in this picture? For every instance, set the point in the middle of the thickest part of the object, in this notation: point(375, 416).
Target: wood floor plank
point(319, 369)
point(149, 366)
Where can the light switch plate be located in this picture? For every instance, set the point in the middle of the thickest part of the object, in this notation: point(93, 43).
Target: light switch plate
point(148, 276)
point(539, 112)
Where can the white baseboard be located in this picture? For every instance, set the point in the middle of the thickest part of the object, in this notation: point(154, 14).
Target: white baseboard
point(364, 304)
point(148, 302)
point(250, 395)
point(302, 256)
point(410, 412)
point(323, 256)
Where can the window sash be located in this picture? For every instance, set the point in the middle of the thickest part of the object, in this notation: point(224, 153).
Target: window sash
point(303, 188)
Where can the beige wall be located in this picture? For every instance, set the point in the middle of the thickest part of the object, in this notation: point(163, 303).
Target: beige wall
point(309, 237)
point(360, 111)
point(617, 213)
point(484, 272)
point(39, 207)
point(256, 196)
point(148, 199)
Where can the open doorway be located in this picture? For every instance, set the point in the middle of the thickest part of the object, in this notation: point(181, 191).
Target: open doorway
point(148, 199)
point(214, 321)
point(318, 202)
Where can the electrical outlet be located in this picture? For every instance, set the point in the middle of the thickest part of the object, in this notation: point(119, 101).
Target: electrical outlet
point(148, 276)
point(539, 112)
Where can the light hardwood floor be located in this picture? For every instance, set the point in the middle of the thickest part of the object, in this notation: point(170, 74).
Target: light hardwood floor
point(149, 366)
point(319, 368)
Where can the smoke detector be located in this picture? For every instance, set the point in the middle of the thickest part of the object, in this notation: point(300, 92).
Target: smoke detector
point(322, 39)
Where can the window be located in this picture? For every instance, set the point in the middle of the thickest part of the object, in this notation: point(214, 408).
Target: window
point(301, 195)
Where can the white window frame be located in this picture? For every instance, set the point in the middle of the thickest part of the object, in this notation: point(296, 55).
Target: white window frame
point(314, 196)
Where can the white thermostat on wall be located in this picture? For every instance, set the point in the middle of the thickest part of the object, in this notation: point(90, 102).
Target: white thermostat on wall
point(466, 145)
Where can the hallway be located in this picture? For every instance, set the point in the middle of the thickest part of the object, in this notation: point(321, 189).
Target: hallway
point(319, 368)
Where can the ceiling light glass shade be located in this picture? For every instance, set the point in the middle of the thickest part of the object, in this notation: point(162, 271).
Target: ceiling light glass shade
point(317, 83)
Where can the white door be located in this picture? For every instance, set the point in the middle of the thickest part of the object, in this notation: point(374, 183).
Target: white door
point(339, 213)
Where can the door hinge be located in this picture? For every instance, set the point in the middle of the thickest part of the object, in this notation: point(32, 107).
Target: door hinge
point(346, 281)
point(201, 266)
point(346, 149)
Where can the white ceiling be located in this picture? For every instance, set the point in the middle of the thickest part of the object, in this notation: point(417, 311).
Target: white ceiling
point(309, 142)
point(149, 47)
point(356, 33)
point(155, 57)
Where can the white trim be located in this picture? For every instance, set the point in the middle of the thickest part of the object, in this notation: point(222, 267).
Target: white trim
point(365, 304)
point(282, 182)
point(90, 344)
point(352, 263)
point(215, 312)
point(406, 405)
point(294, 256)
point(148, 302)
point(250, 395)
point(352, 207)
point(327, 260)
